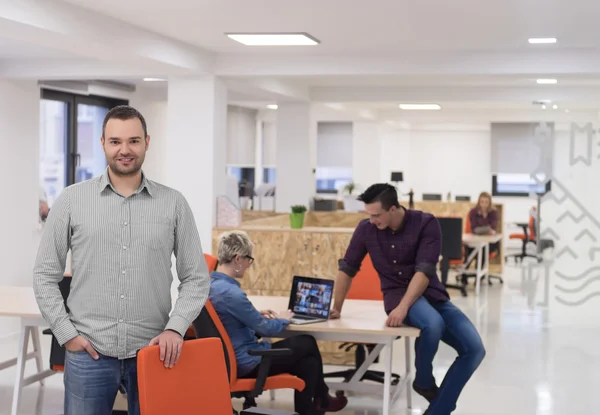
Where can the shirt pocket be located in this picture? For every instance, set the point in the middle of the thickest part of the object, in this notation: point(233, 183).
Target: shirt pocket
point(155, 232)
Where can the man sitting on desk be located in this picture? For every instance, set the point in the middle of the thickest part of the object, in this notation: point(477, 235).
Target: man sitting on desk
point(404, 246)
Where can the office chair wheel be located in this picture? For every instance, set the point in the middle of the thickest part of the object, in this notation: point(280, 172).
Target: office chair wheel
point(235, 412)
point(339, 394)
point(539, 260)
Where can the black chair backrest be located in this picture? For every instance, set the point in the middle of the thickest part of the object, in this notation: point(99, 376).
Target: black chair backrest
point(57, 353)
point(452, 230)
point(463, 198)
point(432, 196)
point(205, 326)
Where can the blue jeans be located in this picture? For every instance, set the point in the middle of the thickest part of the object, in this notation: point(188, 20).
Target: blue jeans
point(444, 321)
point(91, 386)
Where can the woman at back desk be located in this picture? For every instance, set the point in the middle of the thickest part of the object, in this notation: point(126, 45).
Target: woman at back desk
point(484, 221)
point(243, 322)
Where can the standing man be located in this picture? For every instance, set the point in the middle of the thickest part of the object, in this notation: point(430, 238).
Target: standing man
point(122, 230)
point(404, 246)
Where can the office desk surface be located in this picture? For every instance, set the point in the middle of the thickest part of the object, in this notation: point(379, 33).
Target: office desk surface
point(469, 238)
point(362, 317)
point(18, 302)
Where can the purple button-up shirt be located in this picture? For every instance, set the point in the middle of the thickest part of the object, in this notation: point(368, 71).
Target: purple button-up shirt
point(477, 219)
point(398, 255)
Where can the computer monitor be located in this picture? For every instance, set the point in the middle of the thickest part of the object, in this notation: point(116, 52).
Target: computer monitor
point(397, 176)
point(311, 296)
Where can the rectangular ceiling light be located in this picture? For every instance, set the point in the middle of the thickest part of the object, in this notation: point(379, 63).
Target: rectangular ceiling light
point(546, 81)
point(274, 39)
point(419, 107)
point(542, 40)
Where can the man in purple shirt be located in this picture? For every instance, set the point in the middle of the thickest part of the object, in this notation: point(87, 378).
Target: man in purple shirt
point(404, 246)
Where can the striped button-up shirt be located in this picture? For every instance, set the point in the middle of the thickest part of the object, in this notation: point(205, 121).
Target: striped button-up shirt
point(121, 249)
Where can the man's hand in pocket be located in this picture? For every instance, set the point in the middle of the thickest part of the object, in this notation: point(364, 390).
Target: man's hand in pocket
point(79, 344)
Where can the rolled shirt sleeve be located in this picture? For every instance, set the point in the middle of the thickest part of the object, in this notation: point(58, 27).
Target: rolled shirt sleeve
point(429, 249)
point(355, 253)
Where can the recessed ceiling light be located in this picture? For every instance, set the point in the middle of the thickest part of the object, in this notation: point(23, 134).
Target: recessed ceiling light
point(554, 107)
point(543, 106)
point(567, 111)
point(547, 81)
point(154, 80)
point(274, 39)
point(542, 40)
point(272, 106)
point(419, 107)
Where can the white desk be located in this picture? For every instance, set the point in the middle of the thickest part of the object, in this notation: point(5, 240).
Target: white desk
point(19, 302)
point(481, 249)
point(362, 321)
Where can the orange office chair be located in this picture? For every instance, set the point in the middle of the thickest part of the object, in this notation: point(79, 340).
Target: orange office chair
point(196, 384)
point(365, 286)
point(528, 236)
point(208, 324)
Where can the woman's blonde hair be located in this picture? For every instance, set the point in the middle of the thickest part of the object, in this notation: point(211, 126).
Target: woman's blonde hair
point(233, 243)
point(486, 195)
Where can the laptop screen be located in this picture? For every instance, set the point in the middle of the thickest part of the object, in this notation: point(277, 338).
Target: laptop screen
point(311, 296)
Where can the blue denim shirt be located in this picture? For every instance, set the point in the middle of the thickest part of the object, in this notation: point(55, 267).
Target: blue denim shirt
point(241, 321)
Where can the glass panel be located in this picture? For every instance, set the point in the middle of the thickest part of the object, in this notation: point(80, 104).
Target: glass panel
point(92, 161)
point(53, 148)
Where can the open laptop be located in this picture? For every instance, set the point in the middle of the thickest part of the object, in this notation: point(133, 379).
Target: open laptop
point(310, 299)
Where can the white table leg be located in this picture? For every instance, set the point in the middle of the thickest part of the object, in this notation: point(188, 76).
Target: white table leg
point(407, 372)
point(37, 349)
point(478, 270)
point(387, 381)
point(21, 360)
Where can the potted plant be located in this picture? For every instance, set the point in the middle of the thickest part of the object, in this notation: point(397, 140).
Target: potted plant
point(350, 187)
point(297, 216)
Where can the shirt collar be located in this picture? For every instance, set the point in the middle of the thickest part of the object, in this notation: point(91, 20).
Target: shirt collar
point(225, 277)
point(105, 181)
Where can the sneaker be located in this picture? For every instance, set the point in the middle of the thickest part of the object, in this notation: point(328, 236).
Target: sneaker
point(334, 404)
point(429, 394)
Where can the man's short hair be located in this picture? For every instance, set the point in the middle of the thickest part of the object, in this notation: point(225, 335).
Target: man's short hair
point(124, 112)
point(384, 193)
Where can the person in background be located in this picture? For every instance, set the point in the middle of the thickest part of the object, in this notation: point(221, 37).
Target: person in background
point(243, 323)
point(122, 229)
point(404, 246)
point(484, 221)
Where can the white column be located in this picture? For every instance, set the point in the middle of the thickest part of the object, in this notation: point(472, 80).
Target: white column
point(195, 154)
point(366, 154)
point(19, 169)
point(295, 164)
point(258, 154)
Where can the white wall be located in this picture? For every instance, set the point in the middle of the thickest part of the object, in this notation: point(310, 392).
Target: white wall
point(334, 144)
point(154, 111)
point(366, 154)
point(241, 136)
point(19, 166)
point(269, 144)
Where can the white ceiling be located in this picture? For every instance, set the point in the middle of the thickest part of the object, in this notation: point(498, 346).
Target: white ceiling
point(463, 54)
point(16, 49)
point(375, 27)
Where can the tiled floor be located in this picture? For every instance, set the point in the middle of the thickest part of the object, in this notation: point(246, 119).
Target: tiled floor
point(536, 364)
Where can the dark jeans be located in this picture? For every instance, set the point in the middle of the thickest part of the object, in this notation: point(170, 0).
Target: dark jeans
point(305, 363)
point(91, 386)
point(444, 321)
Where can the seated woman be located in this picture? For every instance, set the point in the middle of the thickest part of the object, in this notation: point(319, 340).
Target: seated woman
point(243, 323)
point(484, 221)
